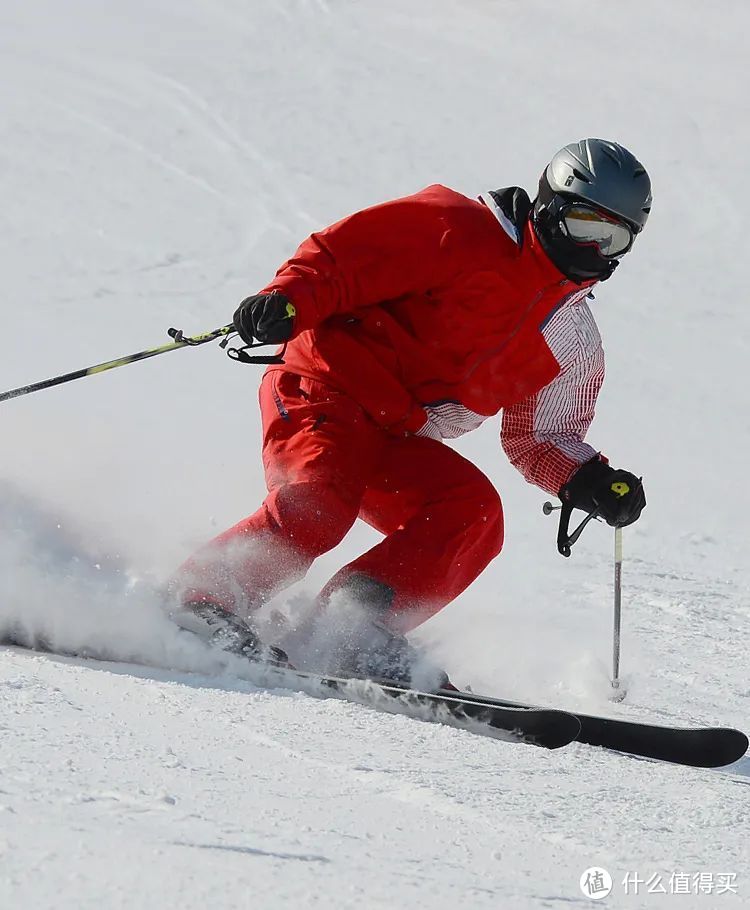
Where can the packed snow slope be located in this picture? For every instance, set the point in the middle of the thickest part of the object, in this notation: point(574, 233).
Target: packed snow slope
point(158, 160)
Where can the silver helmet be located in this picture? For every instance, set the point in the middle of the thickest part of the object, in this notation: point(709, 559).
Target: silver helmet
point(604, 174)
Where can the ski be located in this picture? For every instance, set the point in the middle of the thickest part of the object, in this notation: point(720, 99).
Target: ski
point(700, 747)
point(546, 727)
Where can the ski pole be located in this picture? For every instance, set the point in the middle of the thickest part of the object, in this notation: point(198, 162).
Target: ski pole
point(618, 693)
point(180, 340)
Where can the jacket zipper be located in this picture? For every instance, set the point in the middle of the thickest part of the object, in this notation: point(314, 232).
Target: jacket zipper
point(490, 355)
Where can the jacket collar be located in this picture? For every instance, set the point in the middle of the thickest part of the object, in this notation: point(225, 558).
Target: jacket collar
point(512, 208)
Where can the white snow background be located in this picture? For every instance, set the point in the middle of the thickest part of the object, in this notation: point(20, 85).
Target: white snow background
point(158, 160)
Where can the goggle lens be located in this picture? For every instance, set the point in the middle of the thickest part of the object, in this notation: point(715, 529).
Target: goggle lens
point(586, 225)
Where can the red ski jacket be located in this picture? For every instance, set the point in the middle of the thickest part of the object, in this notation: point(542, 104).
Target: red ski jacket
point(437, 311)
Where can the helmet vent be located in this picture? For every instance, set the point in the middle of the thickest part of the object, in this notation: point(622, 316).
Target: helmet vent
point(639, 172)
point(610, 152)
point(580, 175)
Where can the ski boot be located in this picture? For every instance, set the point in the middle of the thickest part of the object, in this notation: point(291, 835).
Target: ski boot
point(388, 657)
point(221, 629)
point(366, 647)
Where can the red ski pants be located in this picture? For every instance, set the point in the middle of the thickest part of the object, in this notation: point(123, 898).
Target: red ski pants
point(327, 463)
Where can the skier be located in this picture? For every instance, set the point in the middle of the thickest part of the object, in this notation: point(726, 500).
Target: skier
point(405, 324)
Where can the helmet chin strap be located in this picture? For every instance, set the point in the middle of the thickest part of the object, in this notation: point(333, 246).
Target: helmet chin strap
point(581, 275)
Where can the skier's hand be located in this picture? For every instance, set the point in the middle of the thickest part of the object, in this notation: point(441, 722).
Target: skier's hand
point(269, 318)
point(617, 494)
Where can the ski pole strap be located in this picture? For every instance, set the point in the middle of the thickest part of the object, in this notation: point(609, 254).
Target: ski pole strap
point(240, 355)
point(565, 543)
point(565, 539)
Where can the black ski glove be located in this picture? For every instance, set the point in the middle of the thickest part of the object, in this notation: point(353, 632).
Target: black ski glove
point(269, 318)
point(618, 495)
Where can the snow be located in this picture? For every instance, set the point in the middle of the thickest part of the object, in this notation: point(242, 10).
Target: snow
point(215, 791)
point(157, 161)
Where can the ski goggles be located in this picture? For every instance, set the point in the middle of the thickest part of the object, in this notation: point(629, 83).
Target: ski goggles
point(586, 225)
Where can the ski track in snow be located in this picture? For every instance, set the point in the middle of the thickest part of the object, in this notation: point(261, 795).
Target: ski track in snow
point(157, 162)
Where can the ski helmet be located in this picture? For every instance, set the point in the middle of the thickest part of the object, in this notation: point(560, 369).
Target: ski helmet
point(606, 181)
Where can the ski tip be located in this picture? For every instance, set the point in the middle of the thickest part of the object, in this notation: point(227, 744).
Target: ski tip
point(731, 746)
point(550, 729)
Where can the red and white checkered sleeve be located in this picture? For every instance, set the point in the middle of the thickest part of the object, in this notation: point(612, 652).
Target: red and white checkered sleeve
point(543, 436)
